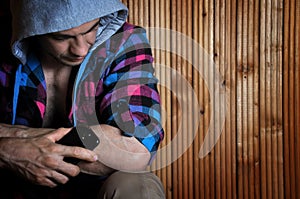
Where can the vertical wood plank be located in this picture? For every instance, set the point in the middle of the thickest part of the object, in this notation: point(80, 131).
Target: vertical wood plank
point(263, 101)
point(227, 191)
point(243, 77)
point(233, 98)
point(162, 24)
point(297, 97)
point(274, 99)
point(185, 98)
point(207, 167)
point(239, 85)
point(221, 148)
point(256, 119)
point(268, 108)
point(169, 187)
point(210, 101)
point(250, 76)
point(291, 99)
point(200, 31)
point(179, 66)
point(175, 111)
point(197, 85)
point(158, 60)
point(286, 92)
point(216, 52)
point(281, 102)
point(191, 114)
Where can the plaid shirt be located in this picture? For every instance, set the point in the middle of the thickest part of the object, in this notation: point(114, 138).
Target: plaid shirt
point(123, 77)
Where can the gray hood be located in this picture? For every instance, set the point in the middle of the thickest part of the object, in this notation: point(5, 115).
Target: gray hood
point(37, 17)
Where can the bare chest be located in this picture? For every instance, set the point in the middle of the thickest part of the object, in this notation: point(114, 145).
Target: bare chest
point(56, 105)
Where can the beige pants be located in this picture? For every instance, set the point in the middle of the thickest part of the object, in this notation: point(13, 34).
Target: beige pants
point(132, 186)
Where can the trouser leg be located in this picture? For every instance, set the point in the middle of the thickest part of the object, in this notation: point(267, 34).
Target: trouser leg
point(133, 186)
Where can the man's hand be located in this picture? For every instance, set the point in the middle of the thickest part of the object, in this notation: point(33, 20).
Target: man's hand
point(40, 160)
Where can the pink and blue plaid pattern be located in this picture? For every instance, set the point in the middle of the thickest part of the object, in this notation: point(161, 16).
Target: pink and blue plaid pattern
point(123, 77)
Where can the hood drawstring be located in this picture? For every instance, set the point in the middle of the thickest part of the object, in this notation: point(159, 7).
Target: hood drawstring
point(16, 92)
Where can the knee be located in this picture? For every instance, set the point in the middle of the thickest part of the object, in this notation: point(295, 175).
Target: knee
point(132, 185)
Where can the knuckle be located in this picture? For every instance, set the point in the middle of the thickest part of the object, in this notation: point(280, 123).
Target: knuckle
point(51, 162)
point(52, 148)
point(40, 180)
point(59, 177)
point(77, 151)
point(74, 171)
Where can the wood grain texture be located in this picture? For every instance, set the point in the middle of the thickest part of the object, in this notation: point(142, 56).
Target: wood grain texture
point(255, 47)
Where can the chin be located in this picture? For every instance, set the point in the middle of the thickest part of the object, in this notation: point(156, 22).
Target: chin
point(72, 64)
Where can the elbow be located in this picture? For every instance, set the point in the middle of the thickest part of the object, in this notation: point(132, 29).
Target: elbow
point(140, 162)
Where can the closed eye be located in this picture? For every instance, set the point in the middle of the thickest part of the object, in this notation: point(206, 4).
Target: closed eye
point(63, 37)
point(60, 37)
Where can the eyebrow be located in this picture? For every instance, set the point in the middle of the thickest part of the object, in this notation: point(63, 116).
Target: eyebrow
point(71, 36)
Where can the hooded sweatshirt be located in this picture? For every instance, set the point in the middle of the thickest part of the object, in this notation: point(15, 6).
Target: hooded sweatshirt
point(44, 17)
point(114, 85)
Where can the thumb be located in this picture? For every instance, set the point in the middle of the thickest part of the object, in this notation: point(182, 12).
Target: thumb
point(58, 134)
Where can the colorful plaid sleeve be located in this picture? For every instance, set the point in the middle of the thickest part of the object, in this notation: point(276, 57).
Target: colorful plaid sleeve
point(131, 100)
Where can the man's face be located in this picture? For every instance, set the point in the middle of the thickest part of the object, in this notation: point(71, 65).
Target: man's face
point(69, 47)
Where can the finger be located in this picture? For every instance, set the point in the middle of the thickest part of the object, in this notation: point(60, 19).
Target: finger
point(91, 168)
point(69, 169)
point(56, 163)
point(58, 134)
point(86, 166)
point(80, 153)
point(58, 177)
point(47, 182)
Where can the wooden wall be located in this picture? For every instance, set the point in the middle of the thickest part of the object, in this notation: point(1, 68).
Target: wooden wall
point(255, 48)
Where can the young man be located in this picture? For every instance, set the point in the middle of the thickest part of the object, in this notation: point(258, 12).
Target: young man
point(80, 71)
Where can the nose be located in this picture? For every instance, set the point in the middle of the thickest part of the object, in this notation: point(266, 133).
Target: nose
point(79, 46)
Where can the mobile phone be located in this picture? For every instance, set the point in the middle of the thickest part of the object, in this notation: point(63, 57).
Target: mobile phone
point(81, 136)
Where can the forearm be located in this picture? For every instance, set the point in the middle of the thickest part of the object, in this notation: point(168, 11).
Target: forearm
point(3, 142)
point(119, 152)
point(7, 130)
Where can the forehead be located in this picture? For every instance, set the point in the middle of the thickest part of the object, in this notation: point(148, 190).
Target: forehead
point(79, 29)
